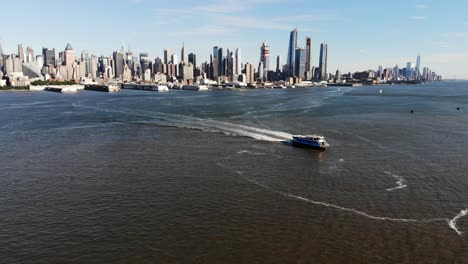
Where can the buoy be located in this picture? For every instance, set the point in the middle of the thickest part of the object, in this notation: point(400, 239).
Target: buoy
point(458, 108)
point(412, 111)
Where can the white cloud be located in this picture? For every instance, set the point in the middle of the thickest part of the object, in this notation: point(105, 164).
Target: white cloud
point(418, 17)
point(202, 31)
point(421, 6)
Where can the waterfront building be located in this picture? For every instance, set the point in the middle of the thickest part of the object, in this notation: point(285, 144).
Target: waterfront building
point(300, 63)
point(17, 64)
point(291, 62)
point(127, 73)
point(250, 73)
point(214, 63)
point(2, 58)
point(323, 62)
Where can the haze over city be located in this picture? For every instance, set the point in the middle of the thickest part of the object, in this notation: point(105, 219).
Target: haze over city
point(360, 36)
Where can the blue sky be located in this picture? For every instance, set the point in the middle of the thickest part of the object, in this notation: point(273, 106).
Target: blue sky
point(361, 34)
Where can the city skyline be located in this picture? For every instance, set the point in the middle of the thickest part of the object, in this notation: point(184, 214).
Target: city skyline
point(412, 31)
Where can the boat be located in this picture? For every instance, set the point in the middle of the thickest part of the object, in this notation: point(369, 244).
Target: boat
point(310, 141)
point(195, 87)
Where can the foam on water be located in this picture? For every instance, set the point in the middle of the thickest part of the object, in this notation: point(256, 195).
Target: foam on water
point(400, 182)
point(207, 125)
point(452, 222)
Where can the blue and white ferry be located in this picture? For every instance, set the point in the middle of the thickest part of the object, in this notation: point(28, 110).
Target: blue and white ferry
point(311, 141)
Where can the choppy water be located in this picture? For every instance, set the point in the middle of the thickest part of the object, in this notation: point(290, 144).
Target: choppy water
point(202, 177)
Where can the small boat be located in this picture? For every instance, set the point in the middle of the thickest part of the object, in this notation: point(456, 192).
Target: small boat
point(381, 91)
point(311, 141)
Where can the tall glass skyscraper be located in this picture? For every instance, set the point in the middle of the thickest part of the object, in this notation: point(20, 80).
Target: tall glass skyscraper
point(308, 63)
point(323, 62)
point(291, 63)
point(300, 63)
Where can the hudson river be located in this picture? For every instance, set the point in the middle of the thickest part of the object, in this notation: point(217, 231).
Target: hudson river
point(202, 177)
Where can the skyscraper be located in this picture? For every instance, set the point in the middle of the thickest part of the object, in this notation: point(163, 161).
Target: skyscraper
point(118, 64)
point(49, 56)
point(221, 66)
point(167, 56)
point(192, 58)
point(300, 63)
point(21, 52)
point(278, 64)
point(69, 55)
point(215, 63)
point(184, 54)
point(418, 66)
point(323, 62)
point(29, 54)
point(292, 52)
point(265, 56)
point(238, 70)
point(308, 58)
point(2, 57)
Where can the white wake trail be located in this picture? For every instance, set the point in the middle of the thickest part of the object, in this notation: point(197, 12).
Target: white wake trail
point(453, 222)
point(207, 125)
point(400, 182)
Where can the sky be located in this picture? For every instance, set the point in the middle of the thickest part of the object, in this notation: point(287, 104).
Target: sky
point(361, 34)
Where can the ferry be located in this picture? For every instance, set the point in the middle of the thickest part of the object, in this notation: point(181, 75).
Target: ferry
point(311, 141)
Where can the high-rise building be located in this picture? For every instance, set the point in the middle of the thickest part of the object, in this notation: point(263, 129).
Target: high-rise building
point(167, 56)
point(409, 73)
point(68, 55)
point(2, 57)
point(221, 62)
point(49, 56)
point(418, 66)
point(29, 57)
point(292, 52)
point(192, 58)
point(300, 63)
point(215, 62)
point(261, 71)
point(158, 66)
point(183, 54)
point(238, 70)
point(323, 62)
point(21, 52)
point(265, 56)
point(250, 73)
point(308, 63)
point(174, 59)
point(278, 64)
point(40, 61)
point(118, 57)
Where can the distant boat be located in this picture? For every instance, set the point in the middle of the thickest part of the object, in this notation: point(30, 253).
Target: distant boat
point(381, 91)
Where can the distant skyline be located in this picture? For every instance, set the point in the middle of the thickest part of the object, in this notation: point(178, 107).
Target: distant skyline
point(360, 36)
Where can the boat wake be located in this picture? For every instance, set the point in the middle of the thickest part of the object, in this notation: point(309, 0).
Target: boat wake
point(400, 182)
point(452, 222)
point(208, 125)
